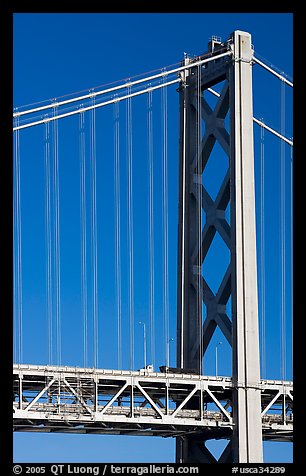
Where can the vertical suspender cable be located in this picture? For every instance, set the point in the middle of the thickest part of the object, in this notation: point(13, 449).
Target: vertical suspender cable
point(199, 201)
point(151, 224)
point(16, 247)
point(184, 179)
point(262, 251)
point(20, 259)
point(57, 263)
point(48, 241)
point(94, 234)
point(15, 260)
point(117, 229)
point(83, 221)
point(283, 237)
point(165, 222)
point(291, 244)
point(130, 225)
point(18, 250)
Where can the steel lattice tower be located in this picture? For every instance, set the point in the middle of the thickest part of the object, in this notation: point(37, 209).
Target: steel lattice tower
point(240, 279)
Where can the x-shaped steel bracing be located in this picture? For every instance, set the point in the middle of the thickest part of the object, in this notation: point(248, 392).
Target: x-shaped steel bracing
point(215, 130)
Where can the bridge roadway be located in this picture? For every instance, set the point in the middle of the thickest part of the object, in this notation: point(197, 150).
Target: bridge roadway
point(97, 401)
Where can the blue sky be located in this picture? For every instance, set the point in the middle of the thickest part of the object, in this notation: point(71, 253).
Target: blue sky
point(59, 54)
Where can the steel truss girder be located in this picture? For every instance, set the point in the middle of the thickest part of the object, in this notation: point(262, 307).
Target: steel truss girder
point(63, 399)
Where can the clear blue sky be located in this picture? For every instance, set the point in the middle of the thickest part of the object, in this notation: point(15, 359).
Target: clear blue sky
point(58, 54)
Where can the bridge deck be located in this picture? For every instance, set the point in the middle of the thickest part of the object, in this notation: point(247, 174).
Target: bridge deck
point(78, 400)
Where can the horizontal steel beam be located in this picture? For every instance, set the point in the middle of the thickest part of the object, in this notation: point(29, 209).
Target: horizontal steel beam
point(78, 400)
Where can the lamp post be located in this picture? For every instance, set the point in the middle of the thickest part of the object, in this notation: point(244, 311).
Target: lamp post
point(168, 351)
point(219, 343)
point(144, 343)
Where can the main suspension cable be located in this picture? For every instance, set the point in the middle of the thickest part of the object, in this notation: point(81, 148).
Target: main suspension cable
point(275, 73)
point(260, 123)
point(126, 85)
point(95, 106)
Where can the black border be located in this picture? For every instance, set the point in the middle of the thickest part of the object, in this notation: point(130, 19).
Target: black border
point(6, 247)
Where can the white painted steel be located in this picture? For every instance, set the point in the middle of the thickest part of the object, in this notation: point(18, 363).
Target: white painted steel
point(279, 76)
point(95, 106)
point(128, 84)
point(79, 407)
point(247, 438)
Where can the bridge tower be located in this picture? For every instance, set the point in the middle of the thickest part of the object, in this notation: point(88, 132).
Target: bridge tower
point(240, 279)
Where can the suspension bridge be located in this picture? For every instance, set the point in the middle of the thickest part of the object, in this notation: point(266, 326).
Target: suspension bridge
point(97, 168)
